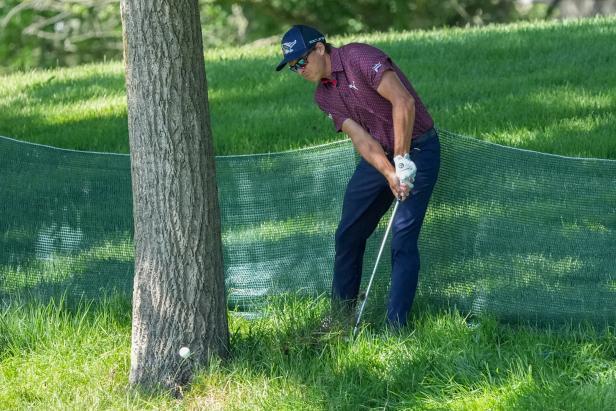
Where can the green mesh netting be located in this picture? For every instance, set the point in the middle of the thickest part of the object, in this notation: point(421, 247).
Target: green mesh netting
point(512, 233)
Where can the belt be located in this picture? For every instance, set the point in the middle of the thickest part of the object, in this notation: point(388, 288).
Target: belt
point(423, 137)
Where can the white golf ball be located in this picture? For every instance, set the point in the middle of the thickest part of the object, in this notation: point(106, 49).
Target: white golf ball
point(184, 352)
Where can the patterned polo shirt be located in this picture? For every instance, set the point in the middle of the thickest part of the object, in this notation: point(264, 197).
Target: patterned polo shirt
point(357, 70)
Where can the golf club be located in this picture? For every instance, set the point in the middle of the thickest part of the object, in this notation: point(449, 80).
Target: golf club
point(376, 264)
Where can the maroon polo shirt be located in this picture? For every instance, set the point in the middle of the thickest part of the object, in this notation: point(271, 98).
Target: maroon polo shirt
point(357, 70)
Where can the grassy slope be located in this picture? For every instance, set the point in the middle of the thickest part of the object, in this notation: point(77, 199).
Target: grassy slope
point(549, 87)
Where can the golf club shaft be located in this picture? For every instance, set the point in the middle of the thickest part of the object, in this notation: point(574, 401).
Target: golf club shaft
point(376, 264)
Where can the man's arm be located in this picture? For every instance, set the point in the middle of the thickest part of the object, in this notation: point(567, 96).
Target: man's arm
point(403, 110)
point(373, 153)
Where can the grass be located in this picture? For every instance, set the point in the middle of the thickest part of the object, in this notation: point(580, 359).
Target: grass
point(542, 86)
point(548, 87)
point(57, 357)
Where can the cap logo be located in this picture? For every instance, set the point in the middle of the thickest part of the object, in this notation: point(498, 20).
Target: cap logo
point(288, 47)
point(316, 40)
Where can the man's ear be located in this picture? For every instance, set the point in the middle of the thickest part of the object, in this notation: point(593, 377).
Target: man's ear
point(321, 48)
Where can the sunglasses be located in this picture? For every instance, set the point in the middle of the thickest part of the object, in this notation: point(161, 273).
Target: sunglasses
point(301, 63)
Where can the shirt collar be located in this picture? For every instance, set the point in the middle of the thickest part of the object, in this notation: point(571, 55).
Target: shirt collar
point(336, 66)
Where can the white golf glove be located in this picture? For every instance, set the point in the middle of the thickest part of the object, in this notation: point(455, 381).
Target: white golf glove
point(405, 170)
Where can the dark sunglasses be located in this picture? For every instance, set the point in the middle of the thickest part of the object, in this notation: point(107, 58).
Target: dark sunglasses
point(301, 63)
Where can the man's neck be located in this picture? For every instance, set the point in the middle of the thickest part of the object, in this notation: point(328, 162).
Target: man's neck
point(328, 67)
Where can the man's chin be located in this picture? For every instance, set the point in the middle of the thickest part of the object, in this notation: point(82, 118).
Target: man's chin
point(311, 80)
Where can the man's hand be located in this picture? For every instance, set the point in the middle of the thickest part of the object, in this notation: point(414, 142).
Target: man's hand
point(405, 173)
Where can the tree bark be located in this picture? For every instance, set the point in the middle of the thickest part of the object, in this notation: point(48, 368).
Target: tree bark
point(552, 8)
point(179, 297)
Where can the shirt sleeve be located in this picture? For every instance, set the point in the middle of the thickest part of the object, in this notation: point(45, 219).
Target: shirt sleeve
point(372, 64)
point(335, 115)
point(337, 120)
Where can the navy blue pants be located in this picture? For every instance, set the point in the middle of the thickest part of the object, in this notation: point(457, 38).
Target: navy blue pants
point(367, 199)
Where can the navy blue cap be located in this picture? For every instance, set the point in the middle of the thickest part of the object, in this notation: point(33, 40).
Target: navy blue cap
point(297, 41)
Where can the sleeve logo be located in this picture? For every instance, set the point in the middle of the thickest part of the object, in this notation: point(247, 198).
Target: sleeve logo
point(377, 67)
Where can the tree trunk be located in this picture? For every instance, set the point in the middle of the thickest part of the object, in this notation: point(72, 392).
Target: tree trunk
point(179, 297)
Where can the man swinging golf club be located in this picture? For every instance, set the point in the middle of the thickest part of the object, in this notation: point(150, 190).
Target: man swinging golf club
point(369, 98)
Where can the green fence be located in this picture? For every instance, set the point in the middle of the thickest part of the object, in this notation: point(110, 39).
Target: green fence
point(512, 233)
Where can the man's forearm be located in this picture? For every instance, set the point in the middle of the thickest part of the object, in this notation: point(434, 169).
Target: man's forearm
point(403, 114)
point(368, 147)
point(374, 154)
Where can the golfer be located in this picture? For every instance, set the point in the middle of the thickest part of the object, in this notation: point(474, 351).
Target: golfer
point(368, 98)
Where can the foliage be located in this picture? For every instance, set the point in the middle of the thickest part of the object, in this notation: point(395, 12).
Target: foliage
point(48, 33)
point(45, 33)
point(266, 17)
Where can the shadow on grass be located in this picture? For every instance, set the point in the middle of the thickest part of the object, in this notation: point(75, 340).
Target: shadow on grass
point(102, 132)
point(105, 130)
point(63, 91)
